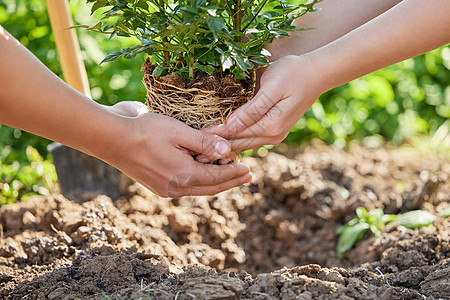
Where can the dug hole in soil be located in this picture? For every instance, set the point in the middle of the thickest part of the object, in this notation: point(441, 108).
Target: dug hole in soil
point(272, 239)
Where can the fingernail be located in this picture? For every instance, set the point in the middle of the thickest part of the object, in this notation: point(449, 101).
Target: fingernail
point(235, 124)
point(243, 165)
point(221, 147)
point(203, 160)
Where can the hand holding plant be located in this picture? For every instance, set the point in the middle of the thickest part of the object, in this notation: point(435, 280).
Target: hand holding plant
point(202, 52)
point(380, 42)
point(155, 150)
point(158, 150)
point(288, 88)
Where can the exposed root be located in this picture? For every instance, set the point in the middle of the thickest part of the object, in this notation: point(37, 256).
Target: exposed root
point(207, 101)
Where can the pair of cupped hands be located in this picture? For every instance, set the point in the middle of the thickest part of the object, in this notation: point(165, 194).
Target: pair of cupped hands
point(178, 156)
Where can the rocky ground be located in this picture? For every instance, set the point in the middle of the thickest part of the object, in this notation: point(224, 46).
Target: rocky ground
point(272, 239)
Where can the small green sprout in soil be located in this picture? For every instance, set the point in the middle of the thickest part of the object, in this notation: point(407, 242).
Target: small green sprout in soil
point(375, 220)
point(445, 213)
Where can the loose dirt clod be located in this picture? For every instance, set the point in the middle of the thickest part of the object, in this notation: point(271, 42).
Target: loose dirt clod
point(206, 101)
point(272, 239)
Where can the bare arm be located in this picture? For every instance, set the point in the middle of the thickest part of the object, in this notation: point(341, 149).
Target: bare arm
point(410, 28)
point(293, 82)
point(334, 19)
point(155, 150)
point(32, 98)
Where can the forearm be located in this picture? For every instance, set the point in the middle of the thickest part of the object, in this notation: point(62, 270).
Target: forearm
point(410, 28)
point(334, 19)
point(32, 98)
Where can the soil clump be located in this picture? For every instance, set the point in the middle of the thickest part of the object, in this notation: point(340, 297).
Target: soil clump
point(272, 239)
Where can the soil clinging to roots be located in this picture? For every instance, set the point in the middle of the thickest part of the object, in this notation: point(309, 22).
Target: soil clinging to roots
point(205, 101)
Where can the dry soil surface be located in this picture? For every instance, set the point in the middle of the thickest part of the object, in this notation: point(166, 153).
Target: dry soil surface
point(272, 239)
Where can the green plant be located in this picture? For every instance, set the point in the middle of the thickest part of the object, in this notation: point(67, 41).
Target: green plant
point(418, 88)
point(37, 177)
point(187, 36)
point(374, 221)
point(445, 213)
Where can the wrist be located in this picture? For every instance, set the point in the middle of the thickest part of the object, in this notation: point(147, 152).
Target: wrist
point(324, 70)
point(105, 135)
point(311, 74)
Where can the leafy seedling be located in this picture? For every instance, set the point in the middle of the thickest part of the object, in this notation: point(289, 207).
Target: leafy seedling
point(353, 231)
point(374, 221)
point(415, 219)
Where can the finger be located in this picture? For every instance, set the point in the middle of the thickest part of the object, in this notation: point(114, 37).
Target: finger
point(250, 138)
point(277, 121)
point(242, 145)
point(215, 174)
point(220, 130)
point(206, 175)
point(262, 127)
point(210, 145)
point(223, 161)
point(202, 190)
point(251, 112)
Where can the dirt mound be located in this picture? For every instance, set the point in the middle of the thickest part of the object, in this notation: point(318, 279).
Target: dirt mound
point(203, 247)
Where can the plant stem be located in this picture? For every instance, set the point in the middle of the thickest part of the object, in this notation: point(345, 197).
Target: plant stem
point(237, 19)
point(256, 14)
point(191, 67)
point(165, 40)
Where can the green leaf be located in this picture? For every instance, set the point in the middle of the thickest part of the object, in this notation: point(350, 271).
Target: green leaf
point(260, 60)
point(205, 68)
point(238, 73)
point(159, 70)
point(112, 57)
point(445, 213)
point(388, 218)
point(98, 4)
point(215, 24)
point(142, 4)
point(350, 235)
point(206, 56)
point(415, 219)
point(361, 212)
point(377, 213)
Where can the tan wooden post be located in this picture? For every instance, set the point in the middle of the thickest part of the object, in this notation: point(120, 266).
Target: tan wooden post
point(67, 45)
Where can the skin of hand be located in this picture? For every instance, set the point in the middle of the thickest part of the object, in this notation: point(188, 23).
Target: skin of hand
point(405, 29)
point(155, 150)
point(287, 92)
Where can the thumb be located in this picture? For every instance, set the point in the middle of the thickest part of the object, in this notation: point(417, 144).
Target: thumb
point(210, 145)
point(252, 111)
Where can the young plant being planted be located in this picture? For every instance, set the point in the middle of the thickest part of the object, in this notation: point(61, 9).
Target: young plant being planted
point(202, 53)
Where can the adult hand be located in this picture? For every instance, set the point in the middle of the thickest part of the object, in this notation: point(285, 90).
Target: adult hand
point(158, 152)
point(154, 150)
point(287, 90)
point(288, 87)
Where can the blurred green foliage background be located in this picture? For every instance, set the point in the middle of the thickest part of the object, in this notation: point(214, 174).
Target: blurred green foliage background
point(396, 104)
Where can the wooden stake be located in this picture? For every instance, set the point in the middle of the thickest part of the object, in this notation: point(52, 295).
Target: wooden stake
point(67, 45)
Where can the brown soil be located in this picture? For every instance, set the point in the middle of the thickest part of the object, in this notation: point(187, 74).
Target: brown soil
point(229, 246)
point(205, 101)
